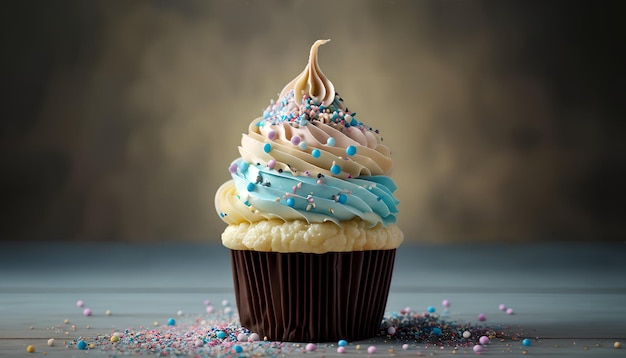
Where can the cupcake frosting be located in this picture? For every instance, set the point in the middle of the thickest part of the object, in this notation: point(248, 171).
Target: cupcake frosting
point(310, 159)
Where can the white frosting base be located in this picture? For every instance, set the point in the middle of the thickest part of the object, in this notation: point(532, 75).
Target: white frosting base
point(300, 236)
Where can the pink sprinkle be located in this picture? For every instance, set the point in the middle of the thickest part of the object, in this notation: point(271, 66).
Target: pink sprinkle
point(371, 349)
point(295, 140)
point(87, 312)
point(233, 168)
point(80, 303)
point(271, 135)
point(405, 346)
point(484, 340)
point(341, 349)
point(502, 307)
point(209, 309)
point(311, 347)
point(481, 317)
point(478, 349)
point(271, 164)
point(391, 330)
point(509, 311)
point(445, 303)
point(207, 302)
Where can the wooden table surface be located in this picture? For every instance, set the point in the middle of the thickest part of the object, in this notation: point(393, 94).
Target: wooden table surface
point(568, 298)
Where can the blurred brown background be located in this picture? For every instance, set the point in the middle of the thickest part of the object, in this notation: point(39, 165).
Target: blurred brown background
point(119, 119)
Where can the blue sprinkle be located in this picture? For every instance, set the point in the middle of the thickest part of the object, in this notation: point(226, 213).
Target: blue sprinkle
point(342, 343)
point(335, 169)
point(221, 335)
point(267, 148)
point(243, 166)
point(437, 331)
point(527, 342)
point(291, 202)
point(354, 122)
point(351, 150)
point(343, 198)
point(250, 186)
point(237, 348)
point(81, 345)
point(171, 322)
point(316, 153)
point(431, 309)
point(303, 145)
point(330, 141)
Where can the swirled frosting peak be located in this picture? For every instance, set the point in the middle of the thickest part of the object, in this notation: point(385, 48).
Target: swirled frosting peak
point(309, 158)
point(312, 82)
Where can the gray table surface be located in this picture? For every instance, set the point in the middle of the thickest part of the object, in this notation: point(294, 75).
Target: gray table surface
point(569, 298)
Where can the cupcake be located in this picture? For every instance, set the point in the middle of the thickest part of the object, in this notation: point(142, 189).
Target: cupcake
point(311, 217)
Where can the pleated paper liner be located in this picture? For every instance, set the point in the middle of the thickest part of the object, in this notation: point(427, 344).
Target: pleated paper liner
point(304, 297)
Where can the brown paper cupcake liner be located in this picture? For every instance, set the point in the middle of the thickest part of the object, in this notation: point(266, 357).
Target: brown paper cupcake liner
point(305, 297)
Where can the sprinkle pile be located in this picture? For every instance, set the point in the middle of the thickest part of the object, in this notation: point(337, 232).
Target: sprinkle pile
point(217, 333)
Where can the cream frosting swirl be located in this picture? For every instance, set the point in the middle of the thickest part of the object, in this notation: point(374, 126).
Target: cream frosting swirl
point(309, 158)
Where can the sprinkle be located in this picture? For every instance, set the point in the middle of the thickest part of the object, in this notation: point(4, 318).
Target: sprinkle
point(30, 349)
point(271, 135)
point(250, 186)
point(171, 322)
point(391, 330)
point(108, 312)
point(351, 150)
point(244, 166)
point(87, 312)
point(330, 141)
point(335, 169)
point(82, 345)
point(316, 153)
point(209, 309)
point(467, 334)
point(527, 342)
point(291, 202)
point(510, 311)
point(477, 349)
point(115, 338)
point(445, 303)
point(271, 164)
point(342, 198)
point(303, 145)
point(617, 345)
point(405, 346)
point(267, 147)
point(371, 349)
point(207, 302)
point(80, 303)
point(502, 307)
point(482, 317)
point(484, 340)
point(295, 140)
point(237, 348)
point(341, 349)
point(254, 337)
point(437, 331)
point(431, 309)
point(220, 335)
point(342, 343)
point(51, 342)
point(311, 347)
point(242, 337)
